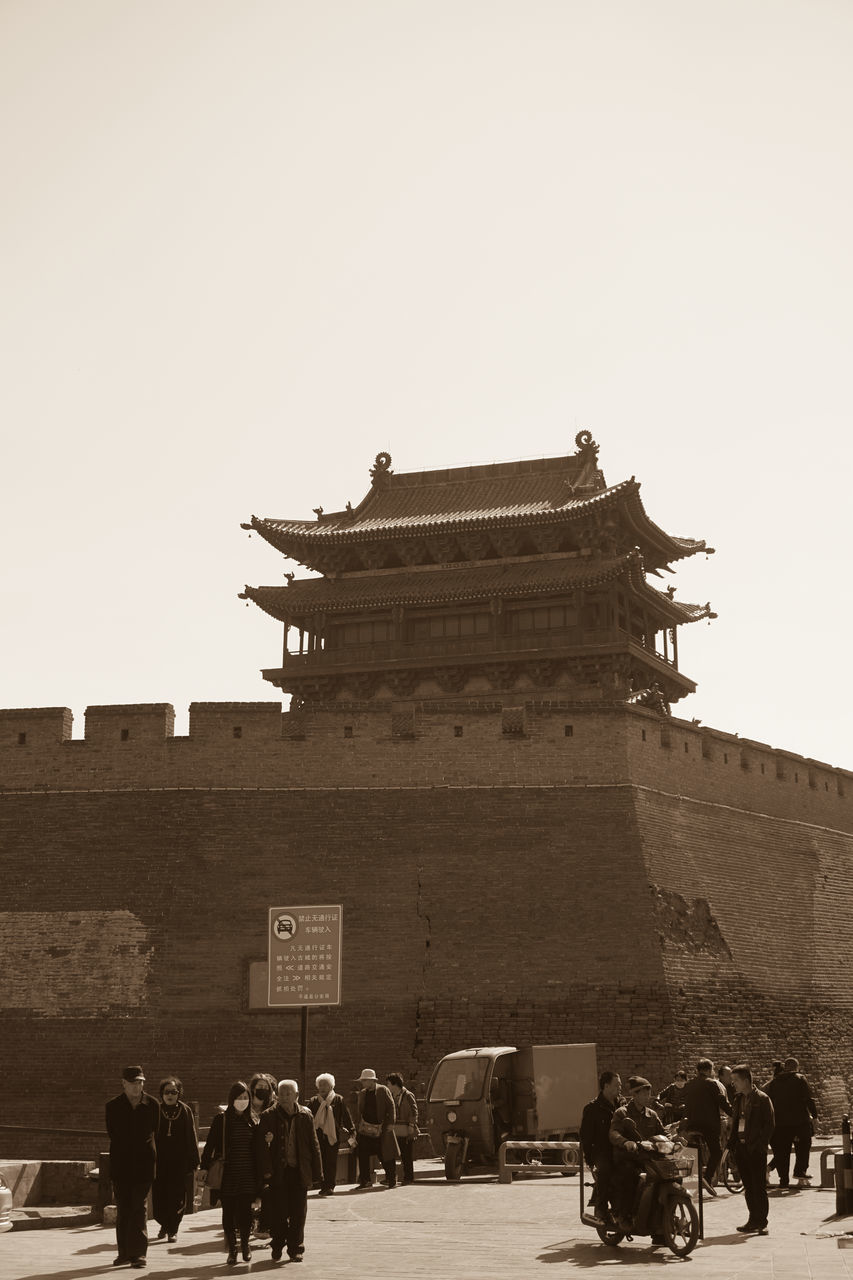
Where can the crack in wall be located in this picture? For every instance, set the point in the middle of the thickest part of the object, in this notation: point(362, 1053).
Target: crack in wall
point(425, 916)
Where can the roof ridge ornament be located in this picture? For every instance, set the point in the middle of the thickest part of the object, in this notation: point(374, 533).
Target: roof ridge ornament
point(381, 468)
point(585, 443)
point(591, 479)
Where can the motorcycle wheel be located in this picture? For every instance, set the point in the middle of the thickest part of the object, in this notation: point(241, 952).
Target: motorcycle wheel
point(681, 1225)
point(453, 1163)
point(613, 1238)
point(732, 1180)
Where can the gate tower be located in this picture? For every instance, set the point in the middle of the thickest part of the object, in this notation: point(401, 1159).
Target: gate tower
point(529, 576)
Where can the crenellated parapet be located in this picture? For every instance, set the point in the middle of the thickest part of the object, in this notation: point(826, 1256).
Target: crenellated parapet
point(485, 741)
point(35, 726)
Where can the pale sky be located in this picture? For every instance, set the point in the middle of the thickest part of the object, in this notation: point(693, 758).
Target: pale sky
point(248, 244)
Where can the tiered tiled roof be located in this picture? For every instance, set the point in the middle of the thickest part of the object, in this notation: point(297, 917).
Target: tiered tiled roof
point(495, 580)
point(420, 545)
point(505, 495)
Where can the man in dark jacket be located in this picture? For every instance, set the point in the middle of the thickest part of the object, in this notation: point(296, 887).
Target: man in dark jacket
point(630, 1126)
point(704, 1100)
point(287, 1159)
point(132, 1118)
point(595, 1140)
point(752, 1125)
point(670, 1101)
point(795, 1113)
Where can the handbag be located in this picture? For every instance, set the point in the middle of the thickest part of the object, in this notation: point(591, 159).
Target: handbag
point(369, 1130)
point(217, 1166)
point(404, 1130)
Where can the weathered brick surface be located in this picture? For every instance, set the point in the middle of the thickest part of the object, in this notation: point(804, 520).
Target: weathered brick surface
point(253, 745)
point(598, 886)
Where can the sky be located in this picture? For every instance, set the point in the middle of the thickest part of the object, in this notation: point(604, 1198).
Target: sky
point(248, 244)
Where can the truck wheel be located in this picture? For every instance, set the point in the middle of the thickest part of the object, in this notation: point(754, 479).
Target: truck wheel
point(453, 1163)
point(681, 1224)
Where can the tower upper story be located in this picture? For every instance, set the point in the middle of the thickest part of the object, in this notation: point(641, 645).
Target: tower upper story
point(519, 578)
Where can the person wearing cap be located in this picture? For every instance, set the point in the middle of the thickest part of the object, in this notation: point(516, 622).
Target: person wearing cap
point(374, 1124)
point(132, 1119)
point(631, 1124)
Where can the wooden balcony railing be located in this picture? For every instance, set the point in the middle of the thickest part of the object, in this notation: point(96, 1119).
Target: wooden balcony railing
point(400, 652)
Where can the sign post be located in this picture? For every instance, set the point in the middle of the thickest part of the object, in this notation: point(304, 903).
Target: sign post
point(304, 963)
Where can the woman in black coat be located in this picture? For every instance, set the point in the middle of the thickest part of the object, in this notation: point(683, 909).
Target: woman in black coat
point(177, 1156)
point(231, 1137)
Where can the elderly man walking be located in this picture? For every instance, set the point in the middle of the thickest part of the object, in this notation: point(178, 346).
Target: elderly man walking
point(132, 1118)
point(333, 1122)
point(287, 1159)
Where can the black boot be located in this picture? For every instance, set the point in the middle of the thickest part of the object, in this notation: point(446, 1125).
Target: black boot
point(231, 1237)
point(245, 1250)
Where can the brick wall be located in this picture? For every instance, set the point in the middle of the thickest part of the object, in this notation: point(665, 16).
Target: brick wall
point(497, 888)
point(461, 744)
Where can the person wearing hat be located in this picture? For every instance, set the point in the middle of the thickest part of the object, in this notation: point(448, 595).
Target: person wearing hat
point(132, 1119)
point(375, 1128)
point(631, 1124)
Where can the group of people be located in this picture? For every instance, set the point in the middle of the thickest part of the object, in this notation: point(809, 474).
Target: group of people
point(264, 1152)
point(724, 1109)
point(153, 1146)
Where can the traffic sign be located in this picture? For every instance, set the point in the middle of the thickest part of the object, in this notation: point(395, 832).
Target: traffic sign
point(304, 956)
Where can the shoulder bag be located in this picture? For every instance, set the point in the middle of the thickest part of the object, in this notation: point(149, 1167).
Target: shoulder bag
point(217, 1166)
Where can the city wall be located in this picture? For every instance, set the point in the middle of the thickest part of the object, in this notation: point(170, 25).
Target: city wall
point(509, 873)
point(470, 743)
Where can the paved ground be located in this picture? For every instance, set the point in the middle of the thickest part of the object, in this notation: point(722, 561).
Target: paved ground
point(473, 1230)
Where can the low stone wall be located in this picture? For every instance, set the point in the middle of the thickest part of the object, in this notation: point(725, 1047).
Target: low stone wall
point(50, 1182)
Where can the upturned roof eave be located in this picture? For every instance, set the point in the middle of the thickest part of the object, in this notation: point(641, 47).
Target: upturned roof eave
point(416, 589)
point(321, 595)
point(669, 546)
point(281, 532)
point(297, 539)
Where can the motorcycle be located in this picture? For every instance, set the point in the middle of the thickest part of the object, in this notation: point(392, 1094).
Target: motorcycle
point(663, 1207)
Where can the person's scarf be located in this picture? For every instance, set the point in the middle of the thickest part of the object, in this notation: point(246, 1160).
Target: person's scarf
point(324, 1121)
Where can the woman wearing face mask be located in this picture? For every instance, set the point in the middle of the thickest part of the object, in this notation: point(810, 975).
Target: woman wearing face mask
point(262, 1087)
point(177, 1156)
point(230, 1137)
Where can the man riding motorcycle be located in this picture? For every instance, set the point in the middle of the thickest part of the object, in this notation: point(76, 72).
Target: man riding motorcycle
point(630, 1125)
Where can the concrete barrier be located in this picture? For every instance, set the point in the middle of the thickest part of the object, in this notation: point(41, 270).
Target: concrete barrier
point(49, 1182)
